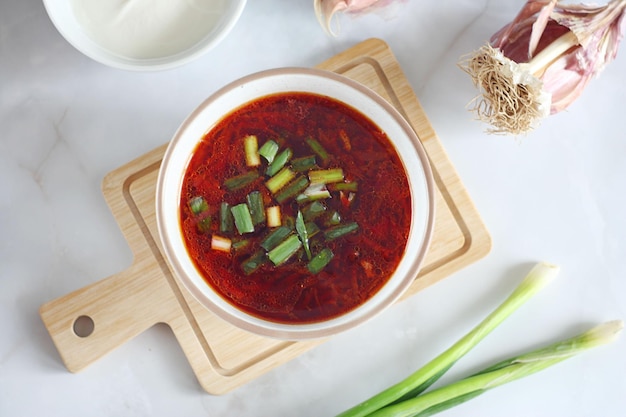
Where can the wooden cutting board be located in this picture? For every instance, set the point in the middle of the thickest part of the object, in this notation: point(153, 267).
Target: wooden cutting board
point(223, 357)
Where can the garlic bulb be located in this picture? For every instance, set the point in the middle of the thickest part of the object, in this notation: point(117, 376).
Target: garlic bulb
point(326, 9)
point(540, 63)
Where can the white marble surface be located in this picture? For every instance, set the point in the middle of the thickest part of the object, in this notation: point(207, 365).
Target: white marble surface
point(558, 195)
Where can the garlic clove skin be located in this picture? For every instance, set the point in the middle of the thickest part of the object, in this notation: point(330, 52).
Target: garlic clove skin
point(326, 9)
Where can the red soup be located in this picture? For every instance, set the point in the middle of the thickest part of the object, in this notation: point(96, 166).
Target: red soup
point(295, 208)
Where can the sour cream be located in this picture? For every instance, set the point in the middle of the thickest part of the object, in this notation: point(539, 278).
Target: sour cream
point(144, 29)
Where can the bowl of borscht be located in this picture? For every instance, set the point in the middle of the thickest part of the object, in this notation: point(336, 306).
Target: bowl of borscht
point(295, 203)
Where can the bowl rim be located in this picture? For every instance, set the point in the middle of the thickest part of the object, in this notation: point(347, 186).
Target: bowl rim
point(297, 331)
point(96, 52)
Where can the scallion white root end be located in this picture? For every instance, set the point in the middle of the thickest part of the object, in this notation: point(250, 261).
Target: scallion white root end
point(511, 100)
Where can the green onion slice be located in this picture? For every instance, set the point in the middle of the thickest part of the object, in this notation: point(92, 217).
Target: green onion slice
point(279, 180)
point(251, 149)
point(304, 163)
point(198, 205)
point(326, 176)
point(269, 151)
point(240, 181)
point(340, 230)
point(275, 237)
point(257, 209)
point(243, 219)
point(227, 223)
point(317, 148)
point(320, 261)
point(292, 189)
point(281, 253)
point(279, 162)
point(254, 262)
point(303, 233)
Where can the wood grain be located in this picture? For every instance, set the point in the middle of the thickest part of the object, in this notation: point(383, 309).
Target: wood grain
point(224, 357)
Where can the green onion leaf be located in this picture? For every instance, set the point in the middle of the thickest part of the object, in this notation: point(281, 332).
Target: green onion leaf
point(239, 181)
point(243, 220)
point(303, 234)
point(279, 162)
point(320, 261)
point(421, 379)
point(501, 373)
point(313, 210)
point(340, 230)
point(257, 209)
point(198, 205)
point(281, 253)
point(269, 150)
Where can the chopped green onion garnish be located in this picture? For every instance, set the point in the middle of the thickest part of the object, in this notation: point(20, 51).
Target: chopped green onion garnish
point(275, 237)
point(340, 230)
point(313, 192)
point(255, 204)
point(320, 260)
point(251, 149)
point(317, 148)
point(304, 163)
point(240, 244)
point(335, 218)
point(279, 162)
point(204, 224)
point(279, 180)
point(303, 234)
point(312, 229)
point(240, 181)
point(284, 250)
point(227, 224)
point(220, 243)
point(198, 205)
point(273, 216)
point(290, 222)
point(253, 262)
point(269, 150)
point(344, 186)
point(326, 176)
point(243, 220)
point(292, 189)
point(313, 210)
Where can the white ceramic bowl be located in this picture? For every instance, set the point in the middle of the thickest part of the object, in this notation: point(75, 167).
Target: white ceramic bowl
point(143, 35)
point(179, 151)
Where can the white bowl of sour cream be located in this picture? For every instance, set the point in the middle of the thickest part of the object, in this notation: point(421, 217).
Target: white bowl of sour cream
point(144, 35)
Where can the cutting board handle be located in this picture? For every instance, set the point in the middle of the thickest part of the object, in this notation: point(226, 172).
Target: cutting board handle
point(92, 321)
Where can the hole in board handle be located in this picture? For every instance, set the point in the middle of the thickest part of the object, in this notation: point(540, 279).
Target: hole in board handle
point(83, 326)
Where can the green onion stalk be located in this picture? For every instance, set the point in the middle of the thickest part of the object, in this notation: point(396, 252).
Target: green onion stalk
point(448, 396)
point(539, 276)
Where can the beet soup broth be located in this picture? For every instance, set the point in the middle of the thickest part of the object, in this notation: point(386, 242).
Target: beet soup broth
point(311, 235)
